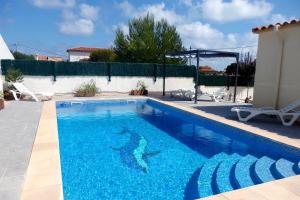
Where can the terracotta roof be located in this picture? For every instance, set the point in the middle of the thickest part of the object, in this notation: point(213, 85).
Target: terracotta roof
point(41, 57)
point(206, 69)
point(84, 49)
point(48, 58)
point(271, 26)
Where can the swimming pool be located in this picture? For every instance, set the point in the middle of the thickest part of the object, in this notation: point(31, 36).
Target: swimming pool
point(142, 149)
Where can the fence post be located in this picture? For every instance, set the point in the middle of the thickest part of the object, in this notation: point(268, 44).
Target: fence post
point(54, 71)
point(109, 71)
point(154, 72)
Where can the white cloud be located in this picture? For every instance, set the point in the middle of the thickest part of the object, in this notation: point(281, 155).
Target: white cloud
point(128, 9)
point(219, 10)
point(54, 3)
point(186, 2)
point(123, 28)
point(279, 18)
point(88, 11)
point(77, 19)
point(77, 27)
point(158, 10)
point(79, 24)
point(204, 36)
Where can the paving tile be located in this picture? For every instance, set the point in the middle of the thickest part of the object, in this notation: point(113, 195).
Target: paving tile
point(9, 183)
point(45, 193)
point(18, 125)
point(16, 168)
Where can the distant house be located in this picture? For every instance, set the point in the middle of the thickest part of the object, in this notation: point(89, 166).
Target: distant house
point(48, 58)
point(81, 53)
point(207, 70)
point(277, 81)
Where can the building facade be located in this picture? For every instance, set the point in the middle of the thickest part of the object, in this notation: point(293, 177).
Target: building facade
point(80, 53)
point(277, 78)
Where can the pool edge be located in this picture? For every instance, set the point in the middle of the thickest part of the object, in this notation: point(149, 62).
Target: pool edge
point(43, 178)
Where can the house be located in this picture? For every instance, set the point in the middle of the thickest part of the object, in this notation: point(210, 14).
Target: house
point(277, 78)
point(80, 53)
point(48, 58)
point(207, 70)
point(4, 54)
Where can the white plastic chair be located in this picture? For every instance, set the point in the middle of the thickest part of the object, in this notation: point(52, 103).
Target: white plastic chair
point(286, 114)
point(215, 96)
point(22, 90)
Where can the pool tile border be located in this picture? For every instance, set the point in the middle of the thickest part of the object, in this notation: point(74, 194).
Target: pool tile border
point(43, 178)
point(44, 181)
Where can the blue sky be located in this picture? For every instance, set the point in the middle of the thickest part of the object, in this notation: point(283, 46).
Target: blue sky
point(51, 26)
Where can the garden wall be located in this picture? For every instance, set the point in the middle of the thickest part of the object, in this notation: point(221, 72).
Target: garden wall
point(64, 77)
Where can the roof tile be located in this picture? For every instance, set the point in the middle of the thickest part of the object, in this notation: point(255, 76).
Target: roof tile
point(271, 26)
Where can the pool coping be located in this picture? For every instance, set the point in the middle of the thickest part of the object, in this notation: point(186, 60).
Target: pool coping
point(44, 180)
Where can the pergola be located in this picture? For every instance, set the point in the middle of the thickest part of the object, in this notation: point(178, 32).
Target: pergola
point(197, 54)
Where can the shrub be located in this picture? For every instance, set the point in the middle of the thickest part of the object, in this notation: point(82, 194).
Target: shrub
point(102, 55)
point(141, 85)
point(141, 89)
point(13, 75)
point(86, 89)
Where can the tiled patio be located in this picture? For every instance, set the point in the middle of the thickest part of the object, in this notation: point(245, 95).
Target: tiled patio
point(18, 124)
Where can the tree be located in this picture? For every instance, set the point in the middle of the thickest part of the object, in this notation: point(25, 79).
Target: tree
point(22, 56)
point(246, 70)
point(246, 67)
point(147, 41)
point(103, 55)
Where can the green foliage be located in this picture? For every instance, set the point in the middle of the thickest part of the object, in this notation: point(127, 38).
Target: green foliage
point(13, 75)
point(103, 55)
point(147, 41)
point(1, 95)
point(86, 89)
point(246, 69)
point(22, 56)
point(141, 85)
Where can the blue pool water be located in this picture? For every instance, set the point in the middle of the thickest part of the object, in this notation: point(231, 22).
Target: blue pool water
point(142, 149)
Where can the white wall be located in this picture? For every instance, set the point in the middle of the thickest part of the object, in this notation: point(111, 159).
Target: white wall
point(67, 84)
point(277, 68)
point(77, 56)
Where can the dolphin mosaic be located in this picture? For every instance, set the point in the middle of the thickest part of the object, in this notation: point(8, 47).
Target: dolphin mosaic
point(133, 154)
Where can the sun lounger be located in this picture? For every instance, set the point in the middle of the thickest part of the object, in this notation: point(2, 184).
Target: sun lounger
point(215, 96)
point(180, 93)
point(22, 90)
point(286, 114)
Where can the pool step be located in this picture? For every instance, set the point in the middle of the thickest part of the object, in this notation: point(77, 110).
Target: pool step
point(242, 171)
point(262, 170)
point(207, 174)
point(223, 177)
point(283, 168)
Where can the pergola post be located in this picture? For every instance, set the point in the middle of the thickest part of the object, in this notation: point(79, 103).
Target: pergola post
point(236, 78)
point(164, 76)
point(197, 78)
